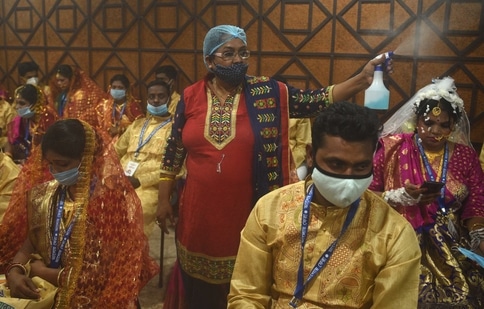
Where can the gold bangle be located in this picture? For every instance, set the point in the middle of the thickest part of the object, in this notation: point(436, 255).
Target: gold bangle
point(166, 179)
point(476, 226)
point(13, 265)
point(59, 277)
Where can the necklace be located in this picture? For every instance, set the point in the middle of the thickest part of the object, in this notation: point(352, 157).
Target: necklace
point(219, 93)
point(433, 155)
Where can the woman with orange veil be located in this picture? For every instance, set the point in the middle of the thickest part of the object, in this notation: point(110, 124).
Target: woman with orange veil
point(82, 232)
point(74, 95)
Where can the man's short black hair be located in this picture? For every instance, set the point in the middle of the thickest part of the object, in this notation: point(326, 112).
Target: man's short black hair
point(169, 70)
point(347, 120)
point(25, 67)
point(158, 82)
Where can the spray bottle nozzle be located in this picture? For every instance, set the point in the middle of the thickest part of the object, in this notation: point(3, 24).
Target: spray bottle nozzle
point(388, 57)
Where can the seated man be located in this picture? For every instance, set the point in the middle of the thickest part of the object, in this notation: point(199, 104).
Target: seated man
point(140, 149)
point(168, 74)
point(328, 242)
point(28, 73)
point(7, 113)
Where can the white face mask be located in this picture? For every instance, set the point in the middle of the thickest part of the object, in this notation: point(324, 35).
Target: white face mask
point(338, 189)
point(117, 94)
point(33, 81)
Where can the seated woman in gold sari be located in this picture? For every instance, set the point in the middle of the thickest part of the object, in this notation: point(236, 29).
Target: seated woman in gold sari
point(81, 232)
point(427, 139)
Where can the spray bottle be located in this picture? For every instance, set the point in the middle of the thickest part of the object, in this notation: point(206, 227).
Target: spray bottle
point(377, 96)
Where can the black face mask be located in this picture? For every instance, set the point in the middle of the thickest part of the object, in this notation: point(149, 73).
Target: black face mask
point(233, 75)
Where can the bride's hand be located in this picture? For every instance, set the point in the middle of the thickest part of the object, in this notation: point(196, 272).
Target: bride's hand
point(22, 286)
point(420, 194)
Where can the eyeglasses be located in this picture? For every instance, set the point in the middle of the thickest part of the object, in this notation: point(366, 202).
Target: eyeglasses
point(230, 55)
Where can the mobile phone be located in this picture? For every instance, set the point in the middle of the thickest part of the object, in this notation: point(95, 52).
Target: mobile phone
point(432, 186)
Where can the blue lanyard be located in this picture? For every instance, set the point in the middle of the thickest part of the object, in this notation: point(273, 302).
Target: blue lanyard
point(121, 113)
point(430, 172)
point(142, 142)
point(56, 253)
point(324, 258)
point(62, 103)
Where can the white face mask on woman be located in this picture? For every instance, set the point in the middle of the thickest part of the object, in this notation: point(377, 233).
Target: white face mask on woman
point(340, 190)
point(117, 94)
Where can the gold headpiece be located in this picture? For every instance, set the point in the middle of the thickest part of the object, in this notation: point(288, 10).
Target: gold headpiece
point(436, 111)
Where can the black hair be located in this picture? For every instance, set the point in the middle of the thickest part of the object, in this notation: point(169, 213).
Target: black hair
point(122, 78)
point(427, 105)
point(65, 137)
point(351, 122)
point(65, 70)
point(159, 82)
point(169, 70)
point(28, 66)
point(28, 92)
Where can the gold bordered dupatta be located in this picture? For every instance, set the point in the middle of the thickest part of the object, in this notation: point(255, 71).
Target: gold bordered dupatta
point(108, 259)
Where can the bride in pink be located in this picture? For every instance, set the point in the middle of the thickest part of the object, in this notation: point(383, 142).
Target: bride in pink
point(428, 140)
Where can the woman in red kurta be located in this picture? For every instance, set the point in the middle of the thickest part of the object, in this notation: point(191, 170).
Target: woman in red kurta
point(233, 131)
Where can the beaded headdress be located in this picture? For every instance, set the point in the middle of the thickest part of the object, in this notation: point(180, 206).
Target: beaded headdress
point(404, 119)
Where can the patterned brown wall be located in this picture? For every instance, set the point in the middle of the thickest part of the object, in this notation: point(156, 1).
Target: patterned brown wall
point(312, 43)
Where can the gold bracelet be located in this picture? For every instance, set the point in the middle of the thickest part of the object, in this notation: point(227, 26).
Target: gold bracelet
point(166, 179)
point(476, 226)
point(59, 277)
point(19, 265)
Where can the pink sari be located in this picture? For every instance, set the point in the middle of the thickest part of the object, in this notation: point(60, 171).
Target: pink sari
point(447, 277)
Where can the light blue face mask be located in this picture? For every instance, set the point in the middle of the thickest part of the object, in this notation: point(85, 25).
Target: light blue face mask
point(117, 94)
point(157, 110)
point(67, 178)
point(25, 112)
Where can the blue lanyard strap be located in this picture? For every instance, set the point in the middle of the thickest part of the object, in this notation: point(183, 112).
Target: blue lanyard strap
point(56, 251)
point(142, 142)
point(430, 172)
point(324, 258)
point(121, 113)
point(62, 103)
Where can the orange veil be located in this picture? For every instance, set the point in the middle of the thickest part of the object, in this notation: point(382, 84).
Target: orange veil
point(109, 261)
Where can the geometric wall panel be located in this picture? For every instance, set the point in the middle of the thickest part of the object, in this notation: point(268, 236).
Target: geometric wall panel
point(310, 42)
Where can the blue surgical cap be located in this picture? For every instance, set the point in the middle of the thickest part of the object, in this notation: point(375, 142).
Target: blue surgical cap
point(219, 35)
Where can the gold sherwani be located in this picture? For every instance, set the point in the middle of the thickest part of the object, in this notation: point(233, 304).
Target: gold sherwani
point(375, 263)
point(299, 137)
point(149, 159)
point(7, 113)
point(8, 175)
point(174, 99)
